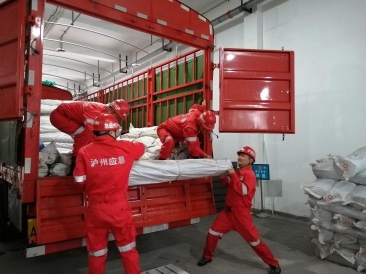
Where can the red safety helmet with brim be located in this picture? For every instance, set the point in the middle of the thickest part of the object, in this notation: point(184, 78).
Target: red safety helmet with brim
point(105, 122)
point(120, 107)
point(208, 120)
point(247, 150)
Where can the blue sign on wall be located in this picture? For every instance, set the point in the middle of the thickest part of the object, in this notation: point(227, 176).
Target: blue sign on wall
point(261, 171)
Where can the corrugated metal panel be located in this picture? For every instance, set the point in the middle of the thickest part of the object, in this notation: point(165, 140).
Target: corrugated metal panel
point(257, 91)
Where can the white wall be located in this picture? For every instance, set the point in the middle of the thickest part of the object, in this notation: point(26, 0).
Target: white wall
point(328, 38)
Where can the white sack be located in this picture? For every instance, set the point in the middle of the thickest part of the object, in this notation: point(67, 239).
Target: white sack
point(360, 225)
point(321, 214)
point(132, 129)
point(319, 187)
point(342, 221)
point(360, 178)
point(357, 196)
point(156, 171)
point(324, 235)
point(46, 126)
point(148, 141)
point(48, 105)
point(42, 166)
point(339, 192)
point(56, 136)
point(350, 231)
point(360, 261)
point(324, 249)
point(50, 153)
point(352, 164)
point(344, 239)
point(326, 168)
point(346, 254)
point(59, 169)
point(65, 148)
point(343, 210)
point(65, 158)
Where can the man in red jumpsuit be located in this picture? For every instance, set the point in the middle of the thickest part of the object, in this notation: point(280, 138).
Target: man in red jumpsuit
point(241, 185)
point(76, 118)
point(102, 170)
point(185, 128)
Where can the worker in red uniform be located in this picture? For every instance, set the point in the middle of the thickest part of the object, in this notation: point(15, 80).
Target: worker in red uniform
point(185, 128)
point(102, 170)
point(76, 118)
point(241, 185)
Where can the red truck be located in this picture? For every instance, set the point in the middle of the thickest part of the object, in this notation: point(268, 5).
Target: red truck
point(49, 210)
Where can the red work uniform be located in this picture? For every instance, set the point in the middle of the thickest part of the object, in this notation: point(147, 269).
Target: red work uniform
point(236, 216)
point(102, 170)
point(181, 128)
point(76, 119)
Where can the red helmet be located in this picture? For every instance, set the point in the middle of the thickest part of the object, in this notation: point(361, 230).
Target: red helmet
point(105, 122)
point(121, 108)
point(247, 150)
point(207, 119)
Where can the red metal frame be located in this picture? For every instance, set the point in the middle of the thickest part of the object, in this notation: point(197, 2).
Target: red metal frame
point(178, 19)
point(164, 18)
point(32, 126)
point(109, 93)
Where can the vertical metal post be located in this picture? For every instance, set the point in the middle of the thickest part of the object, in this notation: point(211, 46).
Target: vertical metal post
point(262, 214)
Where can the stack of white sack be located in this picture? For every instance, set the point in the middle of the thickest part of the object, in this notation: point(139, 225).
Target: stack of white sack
point(147, 136)
point(147, 170)
point(53, 163)
point(48, 132)
point(337, 200)
point(55, 157)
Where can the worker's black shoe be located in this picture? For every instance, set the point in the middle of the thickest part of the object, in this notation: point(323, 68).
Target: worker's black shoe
point(204, 261)
point(275, 269)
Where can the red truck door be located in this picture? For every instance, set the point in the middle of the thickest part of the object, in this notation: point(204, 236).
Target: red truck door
point(12, 46)
point(256, 91)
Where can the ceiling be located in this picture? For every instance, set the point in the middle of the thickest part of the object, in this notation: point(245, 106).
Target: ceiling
point(81, 52)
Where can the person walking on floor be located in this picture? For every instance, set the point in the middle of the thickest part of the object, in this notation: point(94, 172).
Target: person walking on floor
point(241, 187)
point(102, 170)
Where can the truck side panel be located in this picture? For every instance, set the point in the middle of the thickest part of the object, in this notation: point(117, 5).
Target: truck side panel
point(60, 206)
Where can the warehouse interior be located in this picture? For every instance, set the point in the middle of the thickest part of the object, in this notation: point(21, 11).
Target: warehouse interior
point(328, 77)
point(83, 55)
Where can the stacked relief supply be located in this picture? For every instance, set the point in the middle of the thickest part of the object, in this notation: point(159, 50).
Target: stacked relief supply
point(55, 157)
point(337, 200)
point(55, 146)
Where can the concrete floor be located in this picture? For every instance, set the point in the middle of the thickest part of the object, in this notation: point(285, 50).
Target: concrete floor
point(287, 237)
